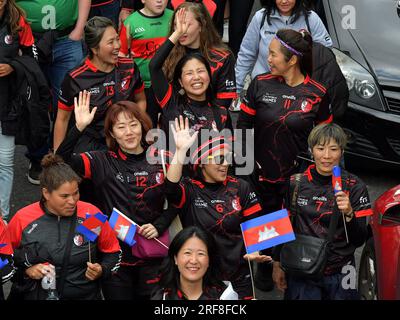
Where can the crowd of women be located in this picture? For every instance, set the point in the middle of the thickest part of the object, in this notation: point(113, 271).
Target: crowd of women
point(170, 71)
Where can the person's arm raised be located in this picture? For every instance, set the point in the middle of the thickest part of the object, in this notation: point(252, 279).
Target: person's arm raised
point(183, 141)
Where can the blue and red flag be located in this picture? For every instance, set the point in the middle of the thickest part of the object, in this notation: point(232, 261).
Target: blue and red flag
point(267, 231)
point(124, 227)
point(91, 227)
point(3, 263)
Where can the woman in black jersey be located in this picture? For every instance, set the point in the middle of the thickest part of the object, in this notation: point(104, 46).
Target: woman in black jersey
point(215, 202)
point(313, 217)
point(123, 178)
point(191, 271)
point(190, 93)
point(282, 106)
point(106, 76)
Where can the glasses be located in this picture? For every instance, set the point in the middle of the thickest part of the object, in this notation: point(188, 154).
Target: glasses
point(221, 158)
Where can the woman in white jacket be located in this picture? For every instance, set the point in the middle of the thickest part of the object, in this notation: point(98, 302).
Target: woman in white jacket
point(275, 15)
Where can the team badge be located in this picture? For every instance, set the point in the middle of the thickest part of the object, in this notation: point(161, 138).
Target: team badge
point(125, 84)
point(8, 39)
point(236, 204)
point(78, 240)
point(306, 106)
point(159, 177)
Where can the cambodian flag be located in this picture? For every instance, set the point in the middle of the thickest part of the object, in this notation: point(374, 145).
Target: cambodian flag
point(267, 231)
point(124, 227)
point(91, 227)
point(3, 263)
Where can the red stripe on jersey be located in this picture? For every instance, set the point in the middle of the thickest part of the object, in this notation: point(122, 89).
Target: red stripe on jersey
point(86, 163)
point(183, 199)
point(79, 71)
point(248, 110)
point(266, 77)
point(227, 95)
point(363, 213)
point(123, 36)
point(164, 101)
point(329, 120)
point(252, 210)
point(307, 79)
point(221, 54)
point(125, 60)
point(318, 85)
point(146, 48)
point(102, 4)
point(25, 35)
point(139, 90)
point(122, 155)
point(63, 106)
point(308, 172)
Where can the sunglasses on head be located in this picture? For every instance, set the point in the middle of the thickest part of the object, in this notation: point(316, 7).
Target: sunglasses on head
point(221, 158)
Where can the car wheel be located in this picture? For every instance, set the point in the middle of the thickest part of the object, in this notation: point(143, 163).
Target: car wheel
point(367, 276)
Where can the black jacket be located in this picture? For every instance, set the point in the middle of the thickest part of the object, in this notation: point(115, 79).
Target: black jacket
point(327, 72)
point(26, 116)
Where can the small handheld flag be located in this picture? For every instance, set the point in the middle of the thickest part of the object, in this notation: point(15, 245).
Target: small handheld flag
point(3, 263)
point(337, 179)
point(124, 227)
point(267, 231)
point(91, 227)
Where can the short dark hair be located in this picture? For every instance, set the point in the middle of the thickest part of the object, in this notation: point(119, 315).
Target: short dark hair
point(169, 271)
point(94, 31)
point(132, 110)
point(301, 42)
point(324, 132)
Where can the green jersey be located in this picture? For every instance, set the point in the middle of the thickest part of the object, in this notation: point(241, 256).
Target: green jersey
point(44, 15)
point(142, 35)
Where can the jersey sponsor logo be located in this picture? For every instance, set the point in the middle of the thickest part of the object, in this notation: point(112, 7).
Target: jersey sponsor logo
point(269, 98)
point(32, 228)
point(78, 240)
point(140, 29)
point(230, 84)
point(111, 83)
point(156, 23)
point(8, 39)
point(288, 97)
point(95, 90)
point(306, 106)
point(301, 202)
point(217, 201)
point(141, 173)
point(236, 204)
point(324, 199)
point(200, 203)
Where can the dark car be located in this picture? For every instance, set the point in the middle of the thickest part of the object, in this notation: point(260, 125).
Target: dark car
point(366, 37)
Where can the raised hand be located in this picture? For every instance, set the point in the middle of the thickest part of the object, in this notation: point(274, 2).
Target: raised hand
point(181, 25)
point(83, 115)
point(181, 133)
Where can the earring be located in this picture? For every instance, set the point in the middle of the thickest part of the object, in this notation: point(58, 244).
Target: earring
point(182, 91)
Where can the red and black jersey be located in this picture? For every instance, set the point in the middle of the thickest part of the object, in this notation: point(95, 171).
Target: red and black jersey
point(112, 174)
point(220, 209)
point(201, 114)
point(45, 234)
point(223, 79)
point(105, 88)
point(282, 118)
point(313, 212)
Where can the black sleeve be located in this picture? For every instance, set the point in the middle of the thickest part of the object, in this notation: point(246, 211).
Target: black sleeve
point(164, 220)
point(226, 82)
point(159, 81)
point(250, 204)
point(28, 51)
point(361, 204)
point(176, 193)
point(65, 150)
point(110, 262)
